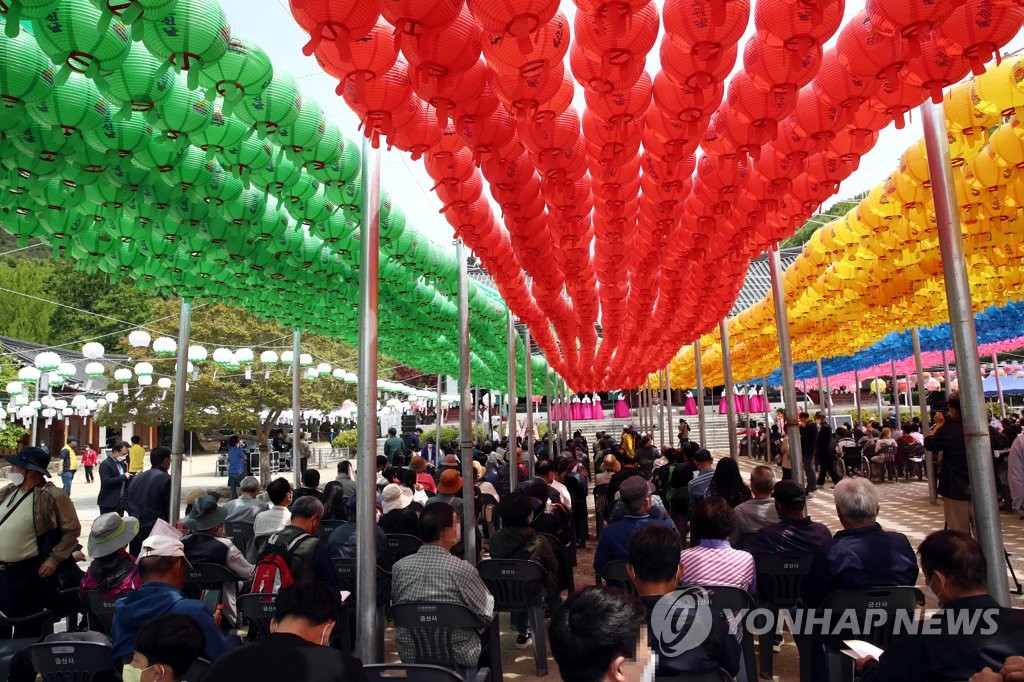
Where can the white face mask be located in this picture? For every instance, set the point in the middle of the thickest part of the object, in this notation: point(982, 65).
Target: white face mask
point(323, 635)
point(932, 593)
point(16, 478)
point(132, 674)
point(647, 675)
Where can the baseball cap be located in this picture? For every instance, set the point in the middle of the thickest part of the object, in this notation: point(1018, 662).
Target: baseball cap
point(789, 491)
point(703, 455)
point(634, 489)
point(161, 545)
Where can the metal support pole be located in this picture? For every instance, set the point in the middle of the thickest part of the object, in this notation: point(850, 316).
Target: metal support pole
point(965, 344)
point(368, 646)
point(698, 366)
point(512, 400)
point(648, 409)
point(437, 423)
point(821, 387)
point(528, 370)
point(945, 368)
point(297, 411)
point(178, 419)
point(895, 393)
point(805, 395)
point(786, 365)
point(668, 400)
point(929, 464)
point(547, 397)
point(999, 385)
point(746, 425)
point(661, 407)
point(569, 395)
point(878, 399)
point(465, 422)
point(828, 399)
point(730, 404)
point(856, 396)
point(767, 408)
point(34, 438)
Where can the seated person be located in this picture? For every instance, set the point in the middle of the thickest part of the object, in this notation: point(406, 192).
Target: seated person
point(613, 545)
point(862, 555)
point(113, 570)
point(296, 648)
point(162, 567)
point(206, 543)
point(947, 649)
point(397, 517)
point(311, 556)
point(698, 487)
point(655, 572)
point(165, 648)
point(342, 541)
point(794, 531)
point(276, 518)
point(348, 484)
point(310, 486)
point(759, 511)
point(245, 507)
point(714, 561)
point(423, 477)
point(601, 636)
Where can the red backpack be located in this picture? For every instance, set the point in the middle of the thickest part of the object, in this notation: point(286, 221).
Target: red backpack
point(277, 566)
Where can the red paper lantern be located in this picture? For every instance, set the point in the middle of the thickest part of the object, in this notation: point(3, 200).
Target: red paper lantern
point(836, 85)
point(896, 102)
point(439, 51)
point(446, 92)
point(977, 29)
point(418, 136)
point(817, 120)
point(618, 49)
point(622, 106)
point(412, 16)
point(343, 21)
point(852, 143)
point(520, 19)
point(685, 103)
point(360, 61)
point(505, 54)
point(911, 20)
point(932, 70)
point(756, 107)
point(487, 134)
point(593, 76)
point(797, 26)
point(683, 65)
point(385, 102)
point(776, 68)
point(714, 23)
point(525, 96)
point(866, 52)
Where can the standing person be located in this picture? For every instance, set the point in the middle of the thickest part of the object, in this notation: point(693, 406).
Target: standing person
point(136, 456)
point(114, 478)
point(89, 457)
point(684, 432)
point(236, 465)
point(393, 445)
point(148, 497)
point(808, 445)
point(69, 463)
point(825, 451)
point(304, 452)
point(1015, 475)
point(39, 529)
point(954, 482)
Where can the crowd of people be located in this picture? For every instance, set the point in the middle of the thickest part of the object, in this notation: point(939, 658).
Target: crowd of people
point(673, 520)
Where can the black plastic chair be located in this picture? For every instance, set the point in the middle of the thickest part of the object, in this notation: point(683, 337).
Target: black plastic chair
point(402, 545)
point(203, 578)
point(71, 661)
point(430, 626)
point(566, 560)
point(327, 527)
point(241, 535)
point(196, 670)
point(488, 519)
point(99, 611)
point(600, 507)
point(520, 585)
point(736, 600)
point(614, 574)
point(780, 580)
point(256, 611)
point(414, 672)
point(346, 571)
point(11, 646)
point(710, 676)
point(893, 600)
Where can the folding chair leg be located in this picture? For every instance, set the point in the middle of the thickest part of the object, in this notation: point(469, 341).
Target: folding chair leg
point(540, 653)
point(496, 673)
point(766, 640)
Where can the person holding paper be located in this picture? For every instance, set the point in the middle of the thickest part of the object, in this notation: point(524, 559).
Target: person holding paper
point(969, 632)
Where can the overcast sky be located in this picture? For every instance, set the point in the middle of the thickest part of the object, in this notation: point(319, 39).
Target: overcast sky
point(269, 24)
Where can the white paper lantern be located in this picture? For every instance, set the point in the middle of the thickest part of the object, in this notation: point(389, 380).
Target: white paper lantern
point(350, 378)
point(139, 339)
point(14, 387)
point(323, 368)
point(164, 383)
point(49, 413)
point(67, 412)
point(143, 369)
point(35, 404)
point(47, 361)
point(95, 369)
point(93, 350)
point(145, 380)
point(20, 400)
point(122, 375)
point(91, 404)
point(67, 370)
point(60, 404)
point(223, 356)
point(338, 374)
point(305, 360)
point(111, 397)
point(48, 400)
point(26, 412)
point(54, 379)
point(244, 355)
point(268, 357)
point(165, 346)
point(29, 375)
point(78, 401)
point(197, 354)
point(287, 357)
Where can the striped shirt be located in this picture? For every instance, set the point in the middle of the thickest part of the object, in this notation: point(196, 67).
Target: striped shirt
point(715, 562)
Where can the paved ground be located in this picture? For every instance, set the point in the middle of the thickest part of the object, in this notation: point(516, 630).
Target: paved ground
point(904, 507)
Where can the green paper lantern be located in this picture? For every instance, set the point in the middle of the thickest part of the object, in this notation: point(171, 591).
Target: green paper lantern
point(274, 108)
point(302, 135)
point(325, 152)
point(17, 11)
point(93, 242)
point(141, 209)
point(223, 132)
point(54, 195)
point(313, 210)
point(11, 115)
point(26, 73)
point(217, 229)
point(182, 112)
point(20, 225)
point(187, 212)
point(74, 106)
point(122, 136)
point(108, 195)
point(136, 13)
point(70, 35)
point(242, 72)
point(193, 170)
point(159, 154)
point(129, 176)
point(221, 188)
point(45, 144)
point(122, 229)
point(246, 158)
point(139, 85)
point(272, 223)
point(194, 34)
point(125, 257)
point(278, 176)
point(246, 209)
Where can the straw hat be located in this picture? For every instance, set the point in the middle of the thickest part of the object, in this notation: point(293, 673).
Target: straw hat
point(395, 497)
point(111, 532)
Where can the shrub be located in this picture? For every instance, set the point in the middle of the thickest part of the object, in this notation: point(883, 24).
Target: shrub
point(346, 439)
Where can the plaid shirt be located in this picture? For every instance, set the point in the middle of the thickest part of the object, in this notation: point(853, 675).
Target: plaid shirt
point(433, 574)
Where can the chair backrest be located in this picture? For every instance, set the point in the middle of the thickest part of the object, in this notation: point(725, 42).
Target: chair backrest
point(402, 545)
point(202, 577)
point(723, 598)
point(240, 533)
point(102, 609)
point(327, 527)
point(257, 610)
point(780, 577)
point(600, 497)
point(852, 453)
point(44, 619)
point(515, 583)
point(898, 603)
point(196, 670)
point(615, 575)
point(888, 451)
point(71, 661)
point(417, 672)
point(345, 570)
point(431, 627)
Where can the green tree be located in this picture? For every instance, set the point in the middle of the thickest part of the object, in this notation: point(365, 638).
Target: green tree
point(95, 294)
point(219, 398)
point(11, 434)
point(837, 210)
point(24, 316)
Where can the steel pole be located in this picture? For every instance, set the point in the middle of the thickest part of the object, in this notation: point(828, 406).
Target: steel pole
point(568, 411)
point(648, 409)
point(821, 387)
point(730, 404)
point(895, 392)
point(512, 400)
point(698, 366)
point(297, 411)
point(945, 368)
point(999, 385)
point(856, 396)
point(767, 409)
point(661, 407)
point(668, 399)
point(437, 422)
point(368, 645)
point(528, 371)
point(786, 365)
point(746, 426)
point(547, 397)
point(965, 344)
point(178, 418)
point(465, 422)
point(929, 464)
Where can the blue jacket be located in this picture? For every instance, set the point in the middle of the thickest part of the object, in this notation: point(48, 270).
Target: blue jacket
point(236, 460)
point(614, 542)
point(156, 599)
point(860, 558)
